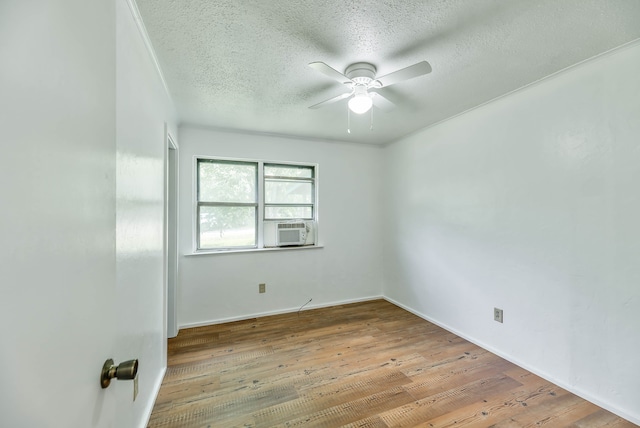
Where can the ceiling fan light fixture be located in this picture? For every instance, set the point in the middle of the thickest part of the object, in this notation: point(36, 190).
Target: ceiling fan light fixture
point(360, 103)
point(361, 77)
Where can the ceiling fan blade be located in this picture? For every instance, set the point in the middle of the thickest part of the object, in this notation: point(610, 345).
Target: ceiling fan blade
point(330, 72)
point(381, 102)
point(407, 73)
point(332, 100)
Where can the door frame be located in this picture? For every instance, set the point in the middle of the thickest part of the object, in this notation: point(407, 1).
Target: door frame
point(171, 234)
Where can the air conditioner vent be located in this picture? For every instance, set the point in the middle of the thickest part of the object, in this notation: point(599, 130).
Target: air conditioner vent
point(291, 225)
point(291, 234)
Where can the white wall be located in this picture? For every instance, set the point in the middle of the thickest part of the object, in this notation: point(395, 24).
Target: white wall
point(531, 204)
point(143, 107)
point(220, 287)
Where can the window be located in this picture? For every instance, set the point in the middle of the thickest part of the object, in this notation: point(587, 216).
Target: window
point(288, 192)
point(238, 201)
point(227, 204)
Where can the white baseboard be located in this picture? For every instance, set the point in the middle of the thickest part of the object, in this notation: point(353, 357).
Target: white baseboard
point(580, 393)
point(311, 305)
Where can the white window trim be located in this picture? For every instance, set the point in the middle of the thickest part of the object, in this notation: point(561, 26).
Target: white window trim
point(260, 217)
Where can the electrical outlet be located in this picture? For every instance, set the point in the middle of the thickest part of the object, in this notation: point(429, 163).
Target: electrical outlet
point(497, 315)
point(262, 288)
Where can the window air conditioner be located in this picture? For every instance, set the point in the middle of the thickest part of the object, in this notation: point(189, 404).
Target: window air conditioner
point(291, 234)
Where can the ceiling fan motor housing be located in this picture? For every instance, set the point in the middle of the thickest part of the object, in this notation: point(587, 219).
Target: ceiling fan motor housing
point(362, 73)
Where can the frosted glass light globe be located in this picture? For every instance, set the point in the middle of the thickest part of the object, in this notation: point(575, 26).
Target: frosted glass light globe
point(360, 103)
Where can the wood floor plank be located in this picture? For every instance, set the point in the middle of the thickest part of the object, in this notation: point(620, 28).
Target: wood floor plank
point(370, 422)
point(601, 418)
point(493, 407)
point(333, 396)
point(367, 365)
point(351, 411)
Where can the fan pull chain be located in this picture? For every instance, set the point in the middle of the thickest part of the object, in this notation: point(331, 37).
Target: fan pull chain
point(371, 127)
point(348, 121)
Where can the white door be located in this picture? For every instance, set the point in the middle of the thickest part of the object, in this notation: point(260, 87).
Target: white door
point(57, 216)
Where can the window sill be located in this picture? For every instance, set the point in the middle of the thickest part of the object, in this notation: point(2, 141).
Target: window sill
point(252, 250)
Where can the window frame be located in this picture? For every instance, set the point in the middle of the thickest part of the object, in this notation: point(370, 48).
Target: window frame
point(260, 203)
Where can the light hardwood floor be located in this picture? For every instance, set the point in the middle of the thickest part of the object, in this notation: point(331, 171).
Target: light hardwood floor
point(368, 364)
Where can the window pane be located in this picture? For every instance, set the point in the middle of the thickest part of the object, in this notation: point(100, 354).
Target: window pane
point(288, 192)
point(288, 171)
point(280, 213)
point(223, 227)
point(226, 181)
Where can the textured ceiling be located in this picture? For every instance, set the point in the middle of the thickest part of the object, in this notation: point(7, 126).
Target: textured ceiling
point(242, 64)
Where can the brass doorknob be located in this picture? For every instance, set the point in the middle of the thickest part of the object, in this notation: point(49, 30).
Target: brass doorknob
point(127, 370)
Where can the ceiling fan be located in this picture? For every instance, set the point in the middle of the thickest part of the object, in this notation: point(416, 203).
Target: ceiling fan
point(361, 78)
